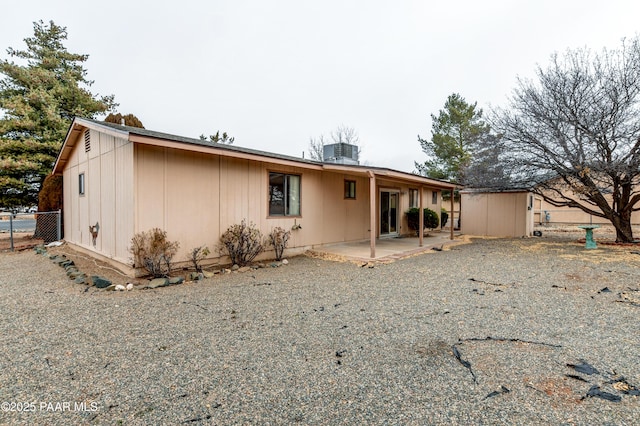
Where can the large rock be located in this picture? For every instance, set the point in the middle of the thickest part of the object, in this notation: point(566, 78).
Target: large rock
point(176, 280)
point(158, 282)
point(81, 279)
point(196, 276)
point(100, 282)
point(66, 263)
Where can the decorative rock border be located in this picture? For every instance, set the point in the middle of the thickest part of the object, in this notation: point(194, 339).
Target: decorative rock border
point(97, 281)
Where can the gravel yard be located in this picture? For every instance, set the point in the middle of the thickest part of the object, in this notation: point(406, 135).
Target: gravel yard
point(481, 333)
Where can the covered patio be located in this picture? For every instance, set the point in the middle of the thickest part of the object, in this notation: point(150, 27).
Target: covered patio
point(388, 249)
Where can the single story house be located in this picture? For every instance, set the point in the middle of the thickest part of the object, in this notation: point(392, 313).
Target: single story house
point(128, 180)
point(546, 213)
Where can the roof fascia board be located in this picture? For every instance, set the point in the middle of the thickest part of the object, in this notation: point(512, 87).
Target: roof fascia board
point(146, 140)
point(387, 174)
point(390, 174)
point(123, 134)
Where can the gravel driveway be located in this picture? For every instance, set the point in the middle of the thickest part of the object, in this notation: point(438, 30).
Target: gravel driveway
point(535, 331)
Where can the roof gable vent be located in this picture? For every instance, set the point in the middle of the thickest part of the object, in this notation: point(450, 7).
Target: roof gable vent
point(87, 140)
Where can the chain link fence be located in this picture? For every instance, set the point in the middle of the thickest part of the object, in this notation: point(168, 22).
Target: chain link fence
point(42, 225)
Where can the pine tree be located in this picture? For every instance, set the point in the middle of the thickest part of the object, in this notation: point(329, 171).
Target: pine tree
point(129, 120)
point(38, 99)
point(454, 133)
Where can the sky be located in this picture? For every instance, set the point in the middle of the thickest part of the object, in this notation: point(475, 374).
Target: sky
point(275, 73)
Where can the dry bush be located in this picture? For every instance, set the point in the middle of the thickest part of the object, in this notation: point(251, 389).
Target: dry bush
point(279, 239)
point(242, 243)
point(153, 251)
point(197, 255)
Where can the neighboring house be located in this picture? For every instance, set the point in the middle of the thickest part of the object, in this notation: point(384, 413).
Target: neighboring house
point(547, 214)
point(128, 180)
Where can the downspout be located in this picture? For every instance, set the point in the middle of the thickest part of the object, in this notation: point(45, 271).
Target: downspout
point(372, 212)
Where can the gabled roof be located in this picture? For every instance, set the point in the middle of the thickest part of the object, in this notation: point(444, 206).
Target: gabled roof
point(144, 136)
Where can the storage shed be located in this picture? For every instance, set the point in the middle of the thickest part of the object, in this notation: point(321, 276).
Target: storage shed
point(494, 213)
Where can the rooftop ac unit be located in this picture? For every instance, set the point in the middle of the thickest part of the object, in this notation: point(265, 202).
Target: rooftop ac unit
point(340, 153)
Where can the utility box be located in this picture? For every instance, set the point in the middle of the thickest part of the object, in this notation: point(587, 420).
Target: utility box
point(340, 153)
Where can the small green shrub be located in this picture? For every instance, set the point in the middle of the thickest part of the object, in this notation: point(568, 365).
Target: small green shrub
point(431, 219)
point(279, 239)
point(197, 255)
point(153, 251)
point(242, 243)
point(444, 216)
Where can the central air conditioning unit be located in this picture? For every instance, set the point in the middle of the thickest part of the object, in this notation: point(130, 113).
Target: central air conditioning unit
point(340, 153)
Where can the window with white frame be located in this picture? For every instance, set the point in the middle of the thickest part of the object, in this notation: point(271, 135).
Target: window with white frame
point(350, 189)
point(414, 199)
point(284, 194)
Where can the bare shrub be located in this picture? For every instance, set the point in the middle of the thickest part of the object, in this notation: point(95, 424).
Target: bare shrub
point(197, 255)
point(153, 251)
point(242, 243)
point(279, 239)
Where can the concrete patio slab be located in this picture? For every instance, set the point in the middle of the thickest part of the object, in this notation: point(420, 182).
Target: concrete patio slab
point(387, 249)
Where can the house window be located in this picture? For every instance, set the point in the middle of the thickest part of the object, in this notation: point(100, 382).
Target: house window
point(434, 197)
point(414, 200)
point(284, 194)
point(350, 189)
point(81, 184)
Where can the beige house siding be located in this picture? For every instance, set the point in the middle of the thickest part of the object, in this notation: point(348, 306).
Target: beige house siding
point(196, 197)
point(139, 180)
point(108, 197)
point(571, 215)
point(501, 214)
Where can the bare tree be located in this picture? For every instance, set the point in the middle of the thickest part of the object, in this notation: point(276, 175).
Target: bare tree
point(342, 134)
point(575, 133)
point(316, 148)
point(345, 134)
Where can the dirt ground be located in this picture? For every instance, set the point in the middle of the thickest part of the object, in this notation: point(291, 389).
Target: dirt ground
point(21, 241)
point(24, 241)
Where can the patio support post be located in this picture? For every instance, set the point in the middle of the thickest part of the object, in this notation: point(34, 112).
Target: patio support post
point(372, 212)
point(452, 213)
point(421, 219)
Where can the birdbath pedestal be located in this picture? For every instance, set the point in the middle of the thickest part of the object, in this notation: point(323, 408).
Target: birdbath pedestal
point(589, 243)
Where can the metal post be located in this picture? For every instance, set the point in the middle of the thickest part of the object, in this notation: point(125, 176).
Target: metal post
point(372, 213)
point(421, 219)
point(453, 188)
point(59, 230)
point(11, 229)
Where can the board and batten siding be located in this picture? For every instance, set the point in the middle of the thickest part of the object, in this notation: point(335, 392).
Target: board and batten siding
point(499, 214)
point(196, 197)
point(108, 197)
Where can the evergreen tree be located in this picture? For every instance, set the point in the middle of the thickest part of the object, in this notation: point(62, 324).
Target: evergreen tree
point(129, 120)
point(454, 133)
point(38, 99)
point(225, 138)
